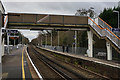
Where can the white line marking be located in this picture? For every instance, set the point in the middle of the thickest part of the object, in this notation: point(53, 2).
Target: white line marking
point(108, 64)
point(34, 66)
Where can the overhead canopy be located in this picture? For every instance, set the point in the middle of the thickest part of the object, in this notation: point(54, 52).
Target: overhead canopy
point(46, 21)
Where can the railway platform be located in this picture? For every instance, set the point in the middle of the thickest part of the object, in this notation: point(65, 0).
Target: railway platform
point(95, 60)
point(18, 65)
point(15, 66)
point(110, 69)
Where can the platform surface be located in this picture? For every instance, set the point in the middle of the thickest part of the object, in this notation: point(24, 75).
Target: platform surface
point(12, 66)
point(100, 61)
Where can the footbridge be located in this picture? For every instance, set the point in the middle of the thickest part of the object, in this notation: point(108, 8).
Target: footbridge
point(46, 21)
point(66, 22)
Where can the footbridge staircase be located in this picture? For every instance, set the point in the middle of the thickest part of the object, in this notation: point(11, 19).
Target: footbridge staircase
point(104, 31)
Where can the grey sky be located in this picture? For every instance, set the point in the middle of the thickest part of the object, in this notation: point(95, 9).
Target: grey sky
point(55, 7)
point(68, 8)
point(30, 34)
point(60, 0)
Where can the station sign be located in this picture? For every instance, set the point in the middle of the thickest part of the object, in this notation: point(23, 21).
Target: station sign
point(74, 43)
point(119, 36)
point(74, 37)
point(115, 30)
point(14, 37)
point(12, 31)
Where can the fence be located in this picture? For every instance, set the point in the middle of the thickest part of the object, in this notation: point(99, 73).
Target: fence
point(79, 50)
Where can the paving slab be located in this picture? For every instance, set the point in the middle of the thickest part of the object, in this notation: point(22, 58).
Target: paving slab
point(12, 66)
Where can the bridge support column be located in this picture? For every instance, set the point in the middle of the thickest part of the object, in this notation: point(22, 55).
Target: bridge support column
point(46, 41)
point(0, 44)
point(41, 40)
point(3, 46)
point(8, 43)
point(90, 43)
point(58, 39)
point(75, 42)
point(109, 51)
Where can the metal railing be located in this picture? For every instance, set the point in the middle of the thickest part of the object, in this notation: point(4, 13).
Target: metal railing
point(71, 50)
point(104, 24)
point(104, 30)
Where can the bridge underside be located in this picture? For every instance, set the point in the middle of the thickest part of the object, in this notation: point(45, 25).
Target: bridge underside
point(46, 22)
point(47, 26)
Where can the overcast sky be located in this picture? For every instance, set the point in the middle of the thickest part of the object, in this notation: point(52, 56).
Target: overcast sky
point(54, 7)
point(60, 0)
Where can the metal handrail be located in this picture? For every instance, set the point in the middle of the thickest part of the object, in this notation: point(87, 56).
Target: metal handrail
point(104, 22)
point(104, 28)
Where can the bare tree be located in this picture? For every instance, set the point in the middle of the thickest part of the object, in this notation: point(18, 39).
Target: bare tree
point(85, 12)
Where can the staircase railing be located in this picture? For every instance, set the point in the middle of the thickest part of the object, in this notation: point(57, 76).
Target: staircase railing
point(104, 24)
point(104, 30)
point(6, 21)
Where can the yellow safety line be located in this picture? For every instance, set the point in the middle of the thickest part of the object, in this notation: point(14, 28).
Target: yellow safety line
point(23, 71)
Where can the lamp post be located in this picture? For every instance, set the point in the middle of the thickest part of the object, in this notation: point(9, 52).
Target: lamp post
point(75, 42)
point(45, 36)
point(46, 39)
point(41, 40)
point(42, 37)
point(118, 17)
point(58, 39)
point(51, 38)
point(75, 37)
point(92, 11)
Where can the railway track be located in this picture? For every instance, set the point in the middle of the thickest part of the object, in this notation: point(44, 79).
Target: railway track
point(50, 69)
point(46, 71)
